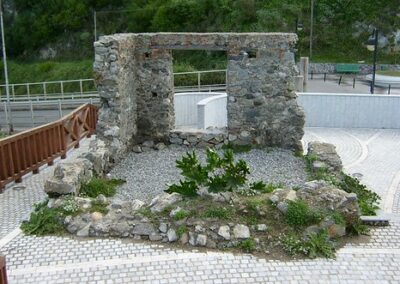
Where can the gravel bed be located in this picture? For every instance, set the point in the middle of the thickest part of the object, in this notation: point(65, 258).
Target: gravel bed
point(147, 174)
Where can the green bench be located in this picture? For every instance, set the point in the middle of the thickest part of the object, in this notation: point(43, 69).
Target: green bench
point(347, 68)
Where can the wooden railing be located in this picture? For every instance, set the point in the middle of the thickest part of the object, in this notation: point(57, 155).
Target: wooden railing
point(3, 271)
point(29, 150)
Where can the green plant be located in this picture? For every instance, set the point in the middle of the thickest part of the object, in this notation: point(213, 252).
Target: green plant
point(265, 188)
point(2, 135)
point(69, 207)
point(318, 244)
point(236, 148)
point(299, 214)
point(253, 205)
point(220, 173)
point(97, 186)
point(359, 229)
point(43, 221)
point(146, 212)
point(313, 245)
point(99, 207)
point(181, 230)
point(247, 245)
point(250, 220)
point(338, 218)
point(367, 199)
point(181, 214)
point(217, 212)
point(186, 188)
point(191, 168)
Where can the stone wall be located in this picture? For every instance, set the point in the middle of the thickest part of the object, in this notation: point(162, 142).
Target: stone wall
point(135, 81)
point(115, 80)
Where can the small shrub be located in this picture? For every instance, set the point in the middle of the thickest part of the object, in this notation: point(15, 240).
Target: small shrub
point(299, 214)
point(253, 205)
point(314, 245)
point(338, 218)
point(250, 220)
point(248, 245)
point(69, 207)
point(367, 199)
point(2, 135)
point(236, 148)
point(359, 229)
point(146, 212)
point(181, 230)
point(97, 186)
point(220, 173)
point(191, 168)
point(319, 245)
point(43, 221)
point(182, 214)
point(220, 213)
point(293, 245)
point(265, 188)
point(99, 207)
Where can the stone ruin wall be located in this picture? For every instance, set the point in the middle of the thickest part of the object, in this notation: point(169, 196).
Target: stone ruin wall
point(134, 77)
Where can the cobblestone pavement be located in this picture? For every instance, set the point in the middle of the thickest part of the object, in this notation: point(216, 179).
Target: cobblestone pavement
point(373, 153)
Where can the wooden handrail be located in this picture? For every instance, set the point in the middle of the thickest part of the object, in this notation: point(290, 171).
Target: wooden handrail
point(3, 271)
point(27, 151)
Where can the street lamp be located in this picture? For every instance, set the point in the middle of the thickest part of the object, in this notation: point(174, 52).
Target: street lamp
point(298, 28)
point(8, 109)
point(372, 45)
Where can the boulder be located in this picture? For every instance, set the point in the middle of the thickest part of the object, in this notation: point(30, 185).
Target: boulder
point(326, 155)
point(68, 177)
point(163, 227)
point(329, 198)
point(84, 232)
point(145, 229)
point(98, 156)
point(224, 231)
point(96, 216)
point(241, 231)
point(172, 236)
point(162, 201)
point(201, 240)
point(261, 227)
point(282, 197)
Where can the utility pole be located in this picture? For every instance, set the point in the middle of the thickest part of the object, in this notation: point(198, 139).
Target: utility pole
point(311, 27)
point(8, 110)
point(95, 25)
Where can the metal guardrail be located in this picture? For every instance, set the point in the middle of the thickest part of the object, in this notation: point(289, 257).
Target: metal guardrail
point(27, 151)
point(86, 89)
point(26, 114)
point(50, 90)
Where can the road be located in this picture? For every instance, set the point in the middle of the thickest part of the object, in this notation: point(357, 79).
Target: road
point(25, 115)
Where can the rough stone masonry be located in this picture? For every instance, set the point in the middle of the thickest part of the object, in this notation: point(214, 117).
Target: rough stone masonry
point(134, 78)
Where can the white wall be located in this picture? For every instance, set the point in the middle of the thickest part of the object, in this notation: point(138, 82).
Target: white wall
point(212, 112)
point(185, 105)
point(186, 109)
point(351, 110)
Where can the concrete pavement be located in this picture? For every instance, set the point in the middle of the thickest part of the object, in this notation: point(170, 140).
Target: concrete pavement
point(375, 154)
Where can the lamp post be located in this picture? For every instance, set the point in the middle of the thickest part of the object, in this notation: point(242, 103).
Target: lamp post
point(298, 28)
point(8, 112)
point(372, 45)
point(311, 27)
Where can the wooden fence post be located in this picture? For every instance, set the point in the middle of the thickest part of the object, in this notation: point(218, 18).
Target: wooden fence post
point(3, 271)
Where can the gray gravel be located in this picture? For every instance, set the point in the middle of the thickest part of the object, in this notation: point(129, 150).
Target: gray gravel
point(147, 174)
